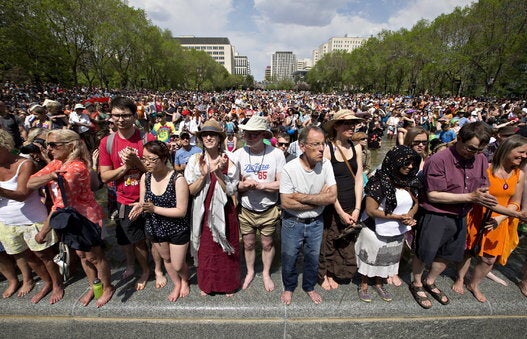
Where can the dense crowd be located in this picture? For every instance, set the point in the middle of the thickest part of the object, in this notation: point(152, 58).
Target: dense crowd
point(197, 172)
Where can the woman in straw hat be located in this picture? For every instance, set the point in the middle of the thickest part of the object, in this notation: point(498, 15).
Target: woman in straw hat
point(212, 180)
point(337, 254)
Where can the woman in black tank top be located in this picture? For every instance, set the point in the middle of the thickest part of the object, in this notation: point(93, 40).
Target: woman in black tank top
point(337, 253)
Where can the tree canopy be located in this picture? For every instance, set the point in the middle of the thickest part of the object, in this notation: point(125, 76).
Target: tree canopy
point(479, 50)
point(100, 43)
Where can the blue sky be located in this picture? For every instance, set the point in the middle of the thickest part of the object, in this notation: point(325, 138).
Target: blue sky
point(258, 28)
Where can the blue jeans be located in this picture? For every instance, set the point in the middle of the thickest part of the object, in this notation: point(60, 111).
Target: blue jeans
point(296, 235)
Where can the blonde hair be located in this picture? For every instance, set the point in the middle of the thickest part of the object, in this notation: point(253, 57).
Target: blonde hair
point(6, 140)
point(72, 139)
point(35, 133)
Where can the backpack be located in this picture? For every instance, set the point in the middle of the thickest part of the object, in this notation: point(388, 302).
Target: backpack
point(111, 139)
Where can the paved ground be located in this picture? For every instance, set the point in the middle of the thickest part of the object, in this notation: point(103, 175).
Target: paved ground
point(255, 313)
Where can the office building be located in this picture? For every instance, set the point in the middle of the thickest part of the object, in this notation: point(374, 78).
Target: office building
point(283, 65)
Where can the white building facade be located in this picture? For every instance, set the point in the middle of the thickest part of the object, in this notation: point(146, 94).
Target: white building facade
point(283, 65)
point(220, 49)
point(344, 43)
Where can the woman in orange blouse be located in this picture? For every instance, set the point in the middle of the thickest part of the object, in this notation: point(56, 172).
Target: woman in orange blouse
point(500, 236)
point(71, 160)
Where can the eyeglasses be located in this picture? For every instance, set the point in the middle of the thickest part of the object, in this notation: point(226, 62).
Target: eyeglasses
point(123, 116)
point(315, 144)
point(347, 123)
point(208, 134)
point(283, 144)
point(408, 163)
point(55, 144)
point(252, 134)
point(149, 160)
point(362, 139)
point(472, 149)
point(419, 142)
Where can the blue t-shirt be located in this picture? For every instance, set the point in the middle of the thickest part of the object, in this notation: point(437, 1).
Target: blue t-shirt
point(447, 136)
point(182, 155)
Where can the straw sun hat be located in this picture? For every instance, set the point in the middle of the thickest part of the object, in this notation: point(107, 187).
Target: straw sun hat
point(212, 126)
point(342, 115)
point(257, 123)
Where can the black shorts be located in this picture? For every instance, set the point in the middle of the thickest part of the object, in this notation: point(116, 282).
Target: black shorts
point(126, 231)
point(180, 238)
point(440, 237)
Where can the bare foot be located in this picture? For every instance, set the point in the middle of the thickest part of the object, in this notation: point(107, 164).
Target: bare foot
point(185, 289)
point(229, 295)
point(174, 295)
point(27, 286)
point(161, 280)
point(86, 297)
point(107, 294)
point(477, 294)
point(248, 279)
point(268, 283)
point(396, 281)
point(315, 297)
point(56, 294)
point(42, 293)
point(523, 288)
point(325, 284)
point(497, 279)
point(11, 289)
point(141, 282)
point(128, 272)
point(286, 297)
point(332, 283)
point(203, 294)
point(458, 287)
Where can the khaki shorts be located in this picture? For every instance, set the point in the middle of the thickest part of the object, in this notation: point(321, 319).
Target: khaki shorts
point(17, 239)
point(265, 221)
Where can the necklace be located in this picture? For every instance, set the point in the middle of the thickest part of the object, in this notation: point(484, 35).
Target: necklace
point(505, 183)
point(261, 162)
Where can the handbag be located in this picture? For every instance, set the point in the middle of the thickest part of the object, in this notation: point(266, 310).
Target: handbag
point(74, 229)
point(476, 247)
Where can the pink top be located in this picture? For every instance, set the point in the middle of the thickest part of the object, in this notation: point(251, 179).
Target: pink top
point(77, 185)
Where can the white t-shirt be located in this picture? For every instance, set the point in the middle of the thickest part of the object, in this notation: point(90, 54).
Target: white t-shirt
point(297, 179)
point(261, 167)
point(80, 118)
point(390, 228)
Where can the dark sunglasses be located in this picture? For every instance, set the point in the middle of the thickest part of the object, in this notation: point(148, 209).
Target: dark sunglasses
point(419, 142)
point(283, 144)
point(53, 144)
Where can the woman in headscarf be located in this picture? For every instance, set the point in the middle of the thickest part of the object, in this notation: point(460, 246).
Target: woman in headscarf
point(391, 203)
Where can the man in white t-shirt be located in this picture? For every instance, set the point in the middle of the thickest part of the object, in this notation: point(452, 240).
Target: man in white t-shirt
point(260, 166)
point(306, 187)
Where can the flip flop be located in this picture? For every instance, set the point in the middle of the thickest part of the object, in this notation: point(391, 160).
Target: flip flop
point(418, 298)
point(437, 295)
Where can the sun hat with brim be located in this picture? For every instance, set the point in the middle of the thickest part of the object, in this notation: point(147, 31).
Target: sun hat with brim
point(342, 115)
point(211, 126)
point(79, 106)
point(257, 124)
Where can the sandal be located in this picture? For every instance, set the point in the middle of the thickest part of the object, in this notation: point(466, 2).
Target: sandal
point(418, 298)
point(439, 296)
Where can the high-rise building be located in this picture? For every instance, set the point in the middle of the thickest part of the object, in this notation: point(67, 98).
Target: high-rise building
point(220, 49)
point(344, 43)
point(268, 73)
point(241, 65)
point(283, 65)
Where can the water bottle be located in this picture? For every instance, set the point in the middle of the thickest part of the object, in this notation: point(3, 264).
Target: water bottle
point(97, 288)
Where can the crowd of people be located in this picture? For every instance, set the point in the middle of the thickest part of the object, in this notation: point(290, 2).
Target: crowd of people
point(218, 174)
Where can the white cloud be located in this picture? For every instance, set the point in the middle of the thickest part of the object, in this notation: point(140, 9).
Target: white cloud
point(287, 25)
